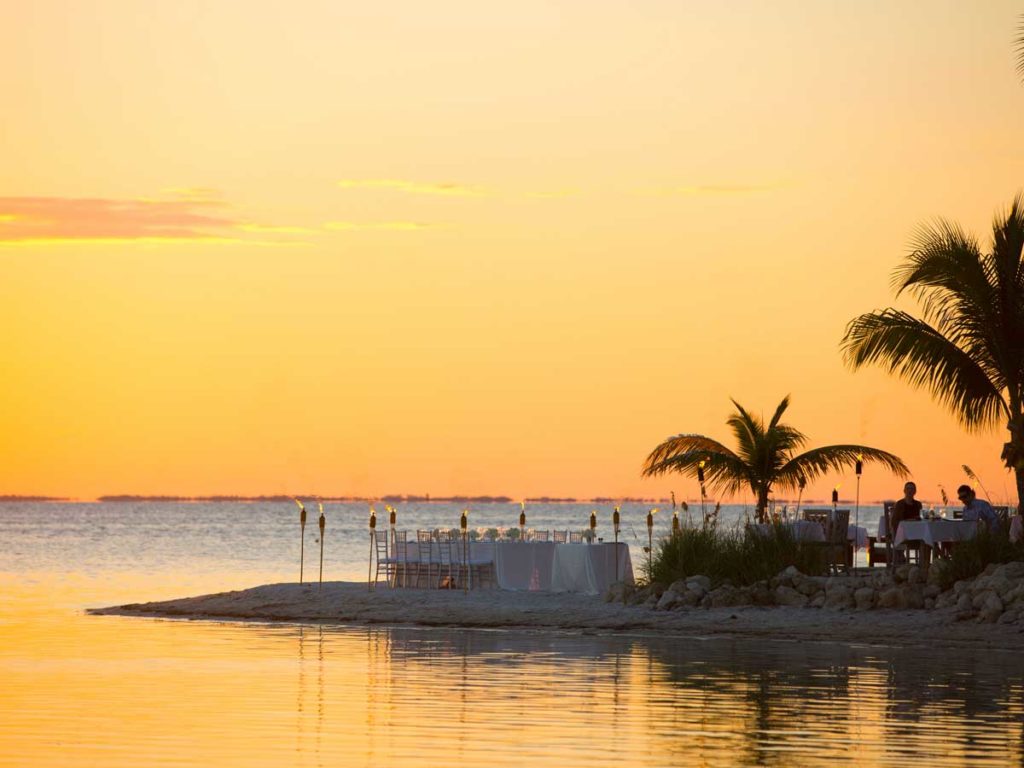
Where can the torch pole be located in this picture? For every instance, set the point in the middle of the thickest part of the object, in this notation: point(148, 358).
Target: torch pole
point(650, 542)
point(302, 538)
point(859, 467)
point(615, 527)
point(373, 540)
point(463, 523)
point(323, 523)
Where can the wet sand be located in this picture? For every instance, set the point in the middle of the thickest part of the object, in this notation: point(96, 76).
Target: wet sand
point(352, 603)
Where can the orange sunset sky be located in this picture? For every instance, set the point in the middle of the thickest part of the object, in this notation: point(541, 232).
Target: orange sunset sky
point(464, 247)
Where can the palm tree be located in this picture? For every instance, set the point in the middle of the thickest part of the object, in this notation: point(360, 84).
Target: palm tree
point(766, 456)
point(967, 349)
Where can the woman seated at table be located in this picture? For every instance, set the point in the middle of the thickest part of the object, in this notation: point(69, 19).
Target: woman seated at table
point(907, 508)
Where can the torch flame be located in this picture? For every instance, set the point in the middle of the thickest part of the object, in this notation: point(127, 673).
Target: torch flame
point(321, 505)
point(299, 503)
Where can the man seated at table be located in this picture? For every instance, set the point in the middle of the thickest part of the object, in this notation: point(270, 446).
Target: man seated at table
point(907, 508)
point(977, 509)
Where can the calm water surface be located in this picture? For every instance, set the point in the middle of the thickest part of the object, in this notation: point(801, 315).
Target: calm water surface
point(82, 690)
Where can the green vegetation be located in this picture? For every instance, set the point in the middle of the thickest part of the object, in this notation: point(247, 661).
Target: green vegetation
point(969, 558)
point(737, 556)
point(966, 347)
point(765, 457)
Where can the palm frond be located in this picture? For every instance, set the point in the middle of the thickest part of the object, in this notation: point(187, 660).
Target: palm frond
point(1019, 47)
point(723, 469)
point(922, 356)
point(817, 462)
point(678, 445)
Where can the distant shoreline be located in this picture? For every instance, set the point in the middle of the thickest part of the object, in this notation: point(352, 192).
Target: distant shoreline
point(289, 498)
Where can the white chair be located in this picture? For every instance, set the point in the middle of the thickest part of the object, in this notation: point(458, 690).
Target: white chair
point(425, 550)
point(560, 537)
point(541, 535)
point(576, 537)
point(400, 554)
point(386, 564)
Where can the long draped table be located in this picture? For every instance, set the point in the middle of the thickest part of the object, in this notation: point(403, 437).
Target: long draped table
point(542, 565)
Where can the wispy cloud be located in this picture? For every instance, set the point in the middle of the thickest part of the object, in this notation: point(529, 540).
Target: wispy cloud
point(415, 187)
point(713, 189)
point(64, 220)
point(397, 226)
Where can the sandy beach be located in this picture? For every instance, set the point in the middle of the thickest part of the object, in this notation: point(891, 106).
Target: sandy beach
point(351, 603)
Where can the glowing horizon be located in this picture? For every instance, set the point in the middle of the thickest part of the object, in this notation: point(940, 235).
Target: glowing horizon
point(478, 251)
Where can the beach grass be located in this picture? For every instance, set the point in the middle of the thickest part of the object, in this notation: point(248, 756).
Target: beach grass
point(737, 555)
point(969, 558)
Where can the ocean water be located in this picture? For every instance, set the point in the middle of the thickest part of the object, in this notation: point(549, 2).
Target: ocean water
point(112, 691)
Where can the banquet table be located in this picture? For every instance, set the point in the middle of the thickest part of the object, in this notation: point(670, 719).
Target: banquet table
point(933, 532)
point(539, 565)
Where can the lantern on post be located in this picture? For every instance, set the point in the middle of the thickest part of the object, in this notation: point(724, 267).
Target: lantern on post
point(650, 539)
point(858, 467)
point(302, 537)
point(373, 539)
point(522, 521)
point(463, 525)
point(703, 495)
point(615, 529)
point(323, 523)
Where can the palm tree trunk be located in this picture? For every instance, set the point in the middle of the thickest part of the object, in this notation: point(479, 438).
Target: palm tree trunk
point(761, 513)
point(1013, 452)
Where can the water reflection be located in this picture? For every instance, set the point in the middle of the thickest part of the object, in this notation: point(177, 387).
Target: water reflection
point(498, 697)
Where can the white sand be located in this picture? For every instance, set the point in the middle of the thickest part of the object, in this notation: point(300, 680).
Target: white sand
point(351, 603)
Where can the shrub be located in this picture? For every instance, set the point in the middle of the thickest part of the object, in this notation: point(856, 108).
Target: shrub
point(969, 558)
point(739, 556)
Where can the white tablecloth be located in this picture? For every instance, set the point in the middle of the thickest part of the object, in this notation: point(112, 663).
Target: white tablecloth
point(933, 532)
point(523, 565)
point(589, 568)
point(542, 565)
point(1016, 529)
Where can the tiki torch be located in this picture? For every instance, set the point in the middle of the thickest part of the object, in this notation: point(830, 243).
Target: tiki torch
point(522, 521)
point(302, 537)
point(859, 469)
point(463, 523)
point(615, 527)
point(700, 479)
point(373, 537)
point(650, 539)
point(323, 522)
point(593, 525)
point(835, 500)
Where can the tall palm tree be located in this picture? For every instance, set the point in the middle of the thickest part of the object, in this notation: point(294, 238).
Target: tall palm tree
point(967, 349)
point(766, 457)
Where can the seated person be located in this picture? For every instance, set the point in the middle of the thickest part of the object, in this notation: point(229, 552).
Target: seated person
point(977, 509)
point(907, 508)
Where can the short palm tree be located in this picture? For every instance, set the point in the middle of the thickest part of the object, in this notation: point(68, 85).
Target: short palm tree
point(967, 349)
point(766, 457)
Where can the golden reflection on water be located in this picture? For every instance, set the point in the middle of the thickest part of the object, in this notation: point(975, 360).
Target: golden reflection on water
point(83, 690)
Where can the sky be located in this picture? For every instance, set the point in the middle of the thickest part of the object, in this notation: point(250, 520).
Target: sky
point(474, 248)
